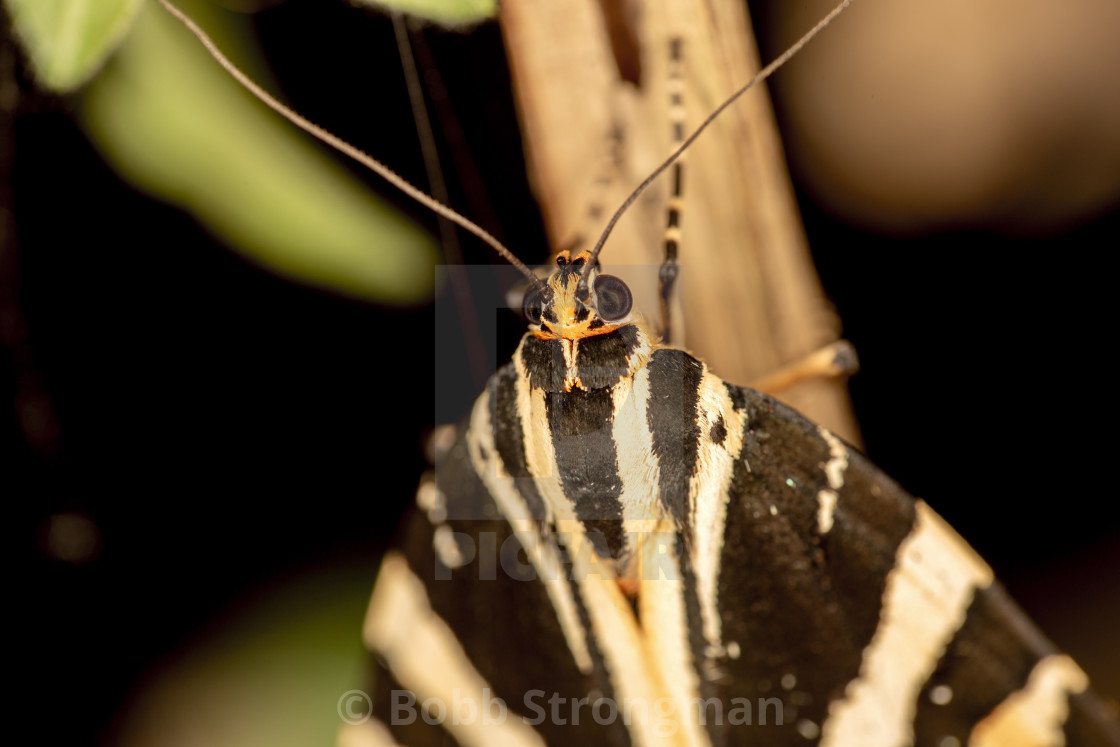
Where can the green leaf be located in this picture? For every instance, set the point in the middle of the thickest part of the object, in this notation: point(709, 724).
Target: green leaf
point(451, 12)
point(270, 672)
point(173, 123)
point(69, 40)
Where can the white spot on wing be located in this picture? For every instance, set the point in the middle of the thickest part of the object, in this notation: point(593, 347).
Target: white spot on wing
point(834, 470)
point(447, 547)
point(826, 500)
point(837, 462)
point(431, 501)
point(440, 442)
point(808, 729)
point(941, 695)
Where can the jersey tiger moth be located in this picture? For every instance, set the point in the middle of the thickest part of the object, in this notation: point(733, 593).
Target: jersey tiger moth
point(487, 642)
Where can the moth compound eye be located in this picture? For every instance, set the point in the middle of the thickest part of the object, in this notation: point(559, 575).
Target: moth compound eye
point(532, 306)
point(612, 298)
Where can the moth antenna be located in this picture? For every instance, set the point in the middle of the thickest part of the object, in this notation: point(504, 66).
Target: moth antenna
point(342, 146)
point(762, 75)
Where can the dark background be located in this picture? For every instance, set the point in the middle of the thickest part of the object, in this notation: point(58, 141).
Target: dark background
point(225, 429)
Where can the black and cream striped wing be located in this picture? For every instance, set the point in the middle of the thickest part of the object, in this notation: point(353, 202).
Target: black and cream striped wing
point(866, 613)
point(808, 599)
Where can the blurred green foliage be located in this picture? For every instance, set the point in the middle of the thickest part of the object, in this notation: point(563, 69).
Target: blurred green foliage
point(271, 671)
point(68, 40)
point(451, 12)
point(170, 121)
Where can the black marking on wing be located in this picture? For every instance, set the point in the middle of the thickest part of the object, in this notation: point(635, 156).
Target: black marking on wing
point(718, 431)
point(672, 413)
point(803, 605)
point(601, 360)
point(582, 439)
point(794, 602)
point(509, 437)
point(738, 396)
point(990, 657)
point(544, 362)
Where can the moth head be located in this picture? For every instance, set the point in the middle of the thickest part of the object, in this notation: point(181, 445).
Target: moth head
point(564, 308)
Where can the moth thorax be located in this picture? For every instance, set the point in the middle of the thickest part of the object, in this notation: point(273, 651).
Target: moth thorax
point(591, 363)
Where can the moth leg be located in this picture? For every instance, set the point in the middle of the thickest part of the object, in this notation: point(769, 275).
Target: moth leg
point(836, 359)
point(672, 325)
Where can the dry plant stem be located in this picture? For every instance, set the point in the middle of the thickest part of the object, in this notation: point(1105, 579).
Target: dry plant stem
point(760, 76)
point(752, 299)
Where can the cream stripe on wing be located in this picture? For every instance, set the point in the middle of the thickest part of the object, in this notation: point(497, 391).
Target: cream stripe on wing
point(638, 467)
point(425, 657)
point(709, 493)
point(543, 555)
point(1034, 715)
point(834, 472)
point(540, 458)
point(662, 604)
point(651, 536)
point(631, 662)
point(925, 601)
